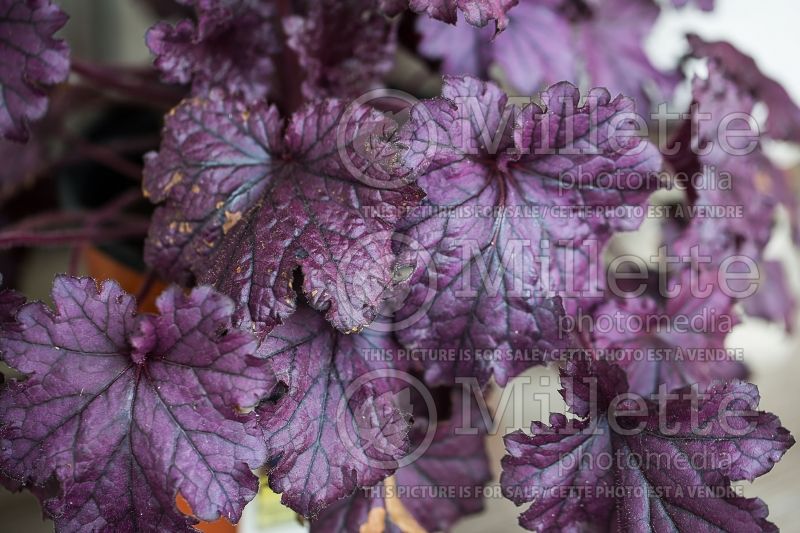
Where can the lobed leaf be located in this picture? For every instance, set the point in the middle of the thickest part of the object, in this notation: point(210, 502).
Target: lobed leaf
point(125, 411)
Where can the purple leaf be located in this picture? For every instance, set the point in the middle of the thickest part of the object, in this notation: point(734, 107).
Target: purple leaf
point(454, 463)
point(252, 49)
point(737, 177)
point(783, 121)
point(344, 47)
point(675, 339)
point(548, 41)
point(334, 425)
point(230, 46)
point(666, 468)
point(249, 200)
point(32, 60)
point(126, 411)
point(774, 300)
point(491, 215)
point(480, 12)
point(476, 12)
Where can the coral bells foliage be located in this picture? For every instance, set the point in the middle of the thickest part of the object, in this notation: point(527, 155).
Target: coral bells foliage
point(32, 59)
point(317, 237)
point(628, 464)
point(126, 410)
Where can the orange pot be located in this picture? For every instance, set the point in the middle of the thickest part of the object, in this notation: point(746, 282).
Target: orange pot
point(102, 266)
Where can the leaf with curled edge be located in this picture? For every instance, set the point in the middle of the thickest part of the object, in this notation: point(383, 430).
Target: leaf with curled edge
point(590, 472)
point(247, 201)
point(127, 410)
point(680, 338)
point(492, 214)
point(336, 426)
point(547, 41)
point(32, 60)
point(431, 493)
point(230, 45)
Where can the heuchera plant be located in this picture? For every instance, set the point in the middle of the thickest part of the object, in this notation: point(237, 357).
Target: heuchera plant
point(355, 268)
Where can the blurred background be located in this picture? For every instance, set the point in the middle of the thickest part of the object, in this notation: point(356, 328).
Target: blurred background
point(112, 31)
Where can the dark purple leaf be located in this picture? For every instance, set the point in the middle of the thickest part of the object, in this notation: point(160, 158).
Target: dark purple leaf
point(736, 177)
point(454, 463)
point(253, 49)
point(32, 60)
point(491, 216)
point(126, 411)
point(230, 45)
point(476, 12)
point(548, 41)
point(249, 200)
point(655, 471)
point(344, 47)
point(336, 426)
point(676, 338)
point(783, 121)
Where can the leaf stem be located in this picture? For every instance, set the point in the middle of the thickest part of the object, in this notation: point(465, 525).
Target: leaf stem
point(35, 230)
point(126, 82)
point(75, 236)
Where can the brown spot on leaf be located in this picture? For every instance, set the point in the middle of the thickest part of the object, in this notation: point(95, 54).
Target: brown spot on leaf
point(175, 179)
point(231, 219)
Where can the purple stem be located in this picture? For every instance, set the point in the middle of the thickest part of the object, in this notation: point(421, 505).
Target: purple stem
point(71, 237)
point(109, 158)
point(122, 81)
point(31, 231)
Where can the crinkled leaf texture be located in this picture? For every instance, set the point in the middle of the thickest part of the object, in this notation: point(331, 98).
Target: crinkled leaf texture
point(343, 46)
point(419, 496)
point(247, 200)
point(30, 60)
point(491, 216)
point(229, 45)
point(548, 41)
point(334, 424)
point(252, 49)
point(673, 339)
point(667, 476)
point(125, 411)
